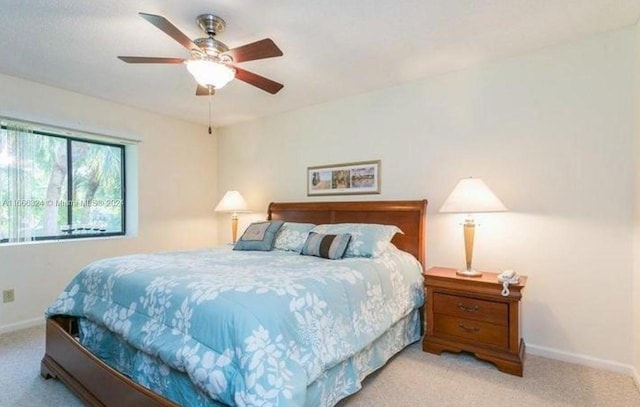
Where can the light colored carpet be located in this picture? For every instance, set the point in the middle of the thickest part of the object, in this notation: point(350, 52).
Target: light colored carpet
point(412, 378)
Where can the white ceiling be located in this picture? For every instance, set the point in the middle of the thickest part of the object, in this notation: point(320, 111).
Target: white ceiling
point(332, 48)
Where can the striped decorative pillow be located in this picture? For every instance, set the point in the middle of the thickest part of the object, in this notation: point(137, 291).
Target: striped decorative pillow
point(326, 246)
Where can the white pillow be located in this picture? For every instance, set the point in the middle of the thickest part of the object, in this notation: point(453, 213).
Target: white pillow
point(292, 236)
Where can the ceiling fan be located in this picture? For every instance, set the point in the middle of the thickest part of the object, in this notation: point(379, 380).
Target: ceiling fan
point(212, 63)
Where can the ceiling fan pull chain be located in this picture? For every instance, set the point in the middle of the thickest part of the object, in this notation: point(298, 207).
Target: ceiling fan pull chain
point(210, 94)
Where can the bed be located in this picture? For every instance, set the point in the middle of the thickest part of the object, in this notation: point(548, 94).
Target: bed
point(328, 379)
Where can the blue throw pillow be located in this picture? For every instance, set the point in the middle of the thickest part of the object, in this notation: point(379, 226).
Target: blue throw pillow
point(326, 246)
point(367, 239)
point(292, 236)
point(259, 236)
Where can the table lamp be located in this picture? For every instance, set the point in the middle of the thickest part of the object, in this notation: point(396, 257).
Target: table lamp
point(232, 202)
point(471, 195)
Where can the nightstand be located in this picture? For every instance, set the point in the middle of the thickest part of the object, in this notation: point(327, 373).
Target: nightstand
point(470, 314)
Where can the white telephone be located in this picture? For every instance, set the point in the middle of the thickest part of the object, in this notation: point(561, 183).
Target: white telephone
point(508, 277)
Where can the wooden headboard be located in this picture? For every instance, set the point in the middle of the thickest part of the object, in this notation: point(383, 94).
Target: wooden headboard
point(410, 216)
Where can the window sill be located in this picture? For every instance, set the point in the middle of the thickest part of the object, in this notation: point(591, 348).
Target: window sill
point(67, 240)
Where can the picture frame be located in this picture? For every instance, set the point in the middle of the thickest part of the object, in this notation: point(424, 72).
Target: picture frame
point(354, 178)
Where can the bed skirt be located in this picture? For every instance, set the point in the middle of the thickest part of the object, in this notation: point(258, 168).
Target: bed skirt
point(328, 389)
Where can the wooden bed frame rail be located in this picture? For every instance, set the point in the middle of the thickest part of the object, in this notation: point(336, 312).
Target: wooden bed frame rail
point(92, 380)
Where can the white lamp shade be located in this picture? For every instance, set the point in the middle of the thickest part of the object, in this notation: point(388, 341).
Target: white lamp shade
point(232, 201)
point(210, 73)
point(472, 195)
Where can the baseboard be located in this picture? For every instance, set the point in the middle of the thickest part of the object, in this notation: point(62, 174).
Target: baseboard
point(21, 325)
point(581, 359)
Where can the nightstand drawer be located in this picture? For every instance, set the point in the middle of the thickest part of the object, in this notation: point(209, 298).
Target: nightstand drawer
point(471, 308)
point(476, 331)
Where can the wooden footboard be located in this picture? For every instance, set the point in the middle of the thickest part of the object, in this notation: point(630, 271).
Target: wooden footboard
point(87, 376)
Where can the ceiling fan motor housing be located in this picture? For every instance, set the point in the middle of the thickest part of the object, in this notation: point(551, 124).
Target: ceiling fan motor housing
point(212, 25)
point(210, 46)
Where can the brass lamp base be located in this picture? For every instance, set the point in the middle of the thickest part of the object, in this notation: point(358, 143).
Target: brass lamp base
point(469, 273)
point(469, 232)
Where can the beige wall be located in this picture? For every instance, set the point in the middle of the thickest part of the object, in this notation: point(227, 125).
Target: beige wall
point(177, 192)
point(551, 132)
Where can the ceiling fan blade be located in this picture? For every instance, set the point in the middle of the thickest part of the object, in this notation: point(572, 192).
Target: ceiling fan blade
point(204, 91)
point(170, 29)
point(258, 81)
point(256, 50)
point(151, 60)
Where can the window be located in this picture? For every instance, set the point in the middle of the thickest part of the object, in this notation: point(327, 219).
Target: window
point(55, 186)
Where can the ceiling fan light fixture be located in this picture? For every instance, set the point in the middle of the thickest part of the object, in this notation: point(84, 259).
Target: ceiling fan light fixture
point(210, 73)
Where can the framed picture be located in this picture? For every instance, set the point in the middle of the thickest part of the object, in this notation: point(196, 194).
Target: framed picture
point(344, 179)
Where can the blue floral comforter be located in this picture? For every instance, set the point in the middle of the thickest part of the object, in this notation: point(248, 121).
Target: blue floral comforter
point(248, 328)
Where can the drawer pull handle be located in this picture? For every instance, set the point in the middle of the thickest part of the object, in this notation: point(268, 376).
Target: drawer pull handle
point(474, 329)
point(475, 308)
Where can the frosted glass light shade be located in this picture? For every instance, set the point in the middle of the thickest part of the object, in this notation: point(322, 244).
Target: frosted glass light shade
point(232, 201)
point(472, 195)
point(210, 73)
